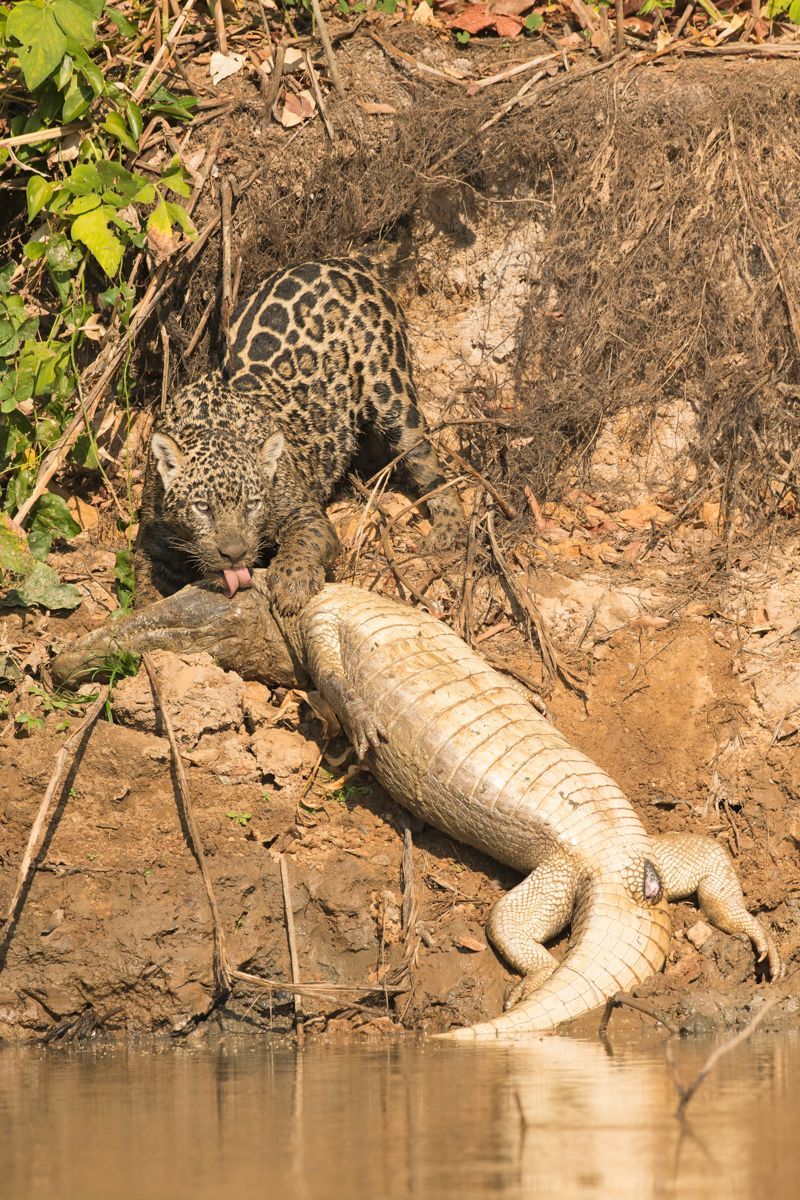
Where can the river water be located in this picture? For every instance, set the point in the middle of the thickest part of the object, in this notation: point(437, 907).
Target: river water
point(557, 1118)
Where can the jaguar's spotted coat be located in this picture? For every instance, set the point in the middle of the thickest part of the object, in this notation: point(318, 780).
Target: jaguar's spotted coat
point(245, 459)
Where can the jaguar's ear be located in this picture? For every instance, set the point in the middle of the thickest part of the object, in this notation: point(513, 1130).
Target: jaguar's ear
point(271, 450)
point(169, 457)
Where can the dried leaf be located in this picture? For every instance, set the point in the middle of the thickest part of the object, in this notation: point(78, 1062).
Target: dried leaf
point(643, 515)
point(423, 15)
point(470, 943)
point(297, 109)
point(377, 109)
point(222, 66)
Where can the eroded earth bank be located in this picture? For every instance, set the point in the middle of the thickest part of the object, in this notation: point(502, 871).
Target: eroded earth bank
point(669, 596)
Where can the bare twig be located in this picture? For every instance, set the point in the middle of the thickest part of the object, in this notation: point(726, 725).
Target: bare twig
point(273, 87)
point(41, 135)
point(619, 17)
point(158, 60)
point(525, 602)
point(323, 112)
point(324, 37)
point(502, 504)
point(287, 908)
point(222, 971)
point(219, 26)
point(510, 72)
point(620, 1001)
point(227, 274)
point(687, 1092)
point(56, 778)
point(401, 56)
point(165, 365)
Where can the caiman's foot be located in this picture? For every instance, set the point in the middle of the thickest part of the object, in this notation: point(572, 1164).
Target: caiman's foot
point(291, 584)
point(529, 984)
point(362, 729)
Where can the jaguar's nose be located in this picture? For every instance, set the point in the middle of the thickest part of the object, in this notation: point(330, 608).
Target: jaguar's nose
point(232, 550)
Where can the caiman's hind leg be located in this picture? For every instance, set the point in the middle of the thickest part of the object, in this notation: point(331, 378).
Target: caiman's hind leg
point(691, 863)
point(534, 911)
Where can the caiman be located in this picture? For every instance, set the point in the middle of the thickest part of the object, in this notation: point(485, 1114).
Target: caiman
point(461, 746)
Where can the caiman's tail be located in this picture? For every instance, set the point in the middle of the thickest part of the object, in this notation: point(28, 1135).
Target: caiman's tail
point(616, 943)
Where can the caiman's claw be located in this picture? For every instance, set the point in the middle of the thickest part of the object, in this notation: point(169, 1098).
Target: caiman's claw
point(362, 728)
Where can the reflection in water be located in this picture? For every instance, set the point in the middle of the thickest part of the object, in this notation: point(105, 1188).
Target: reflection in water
point(395, 1121)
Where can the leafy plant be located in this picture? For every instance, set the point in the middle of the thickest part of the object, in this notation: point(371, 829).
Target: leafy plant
point(27, 723)
point(125, 579)
point(74, 121)
point(791, 8)
point(241, 819)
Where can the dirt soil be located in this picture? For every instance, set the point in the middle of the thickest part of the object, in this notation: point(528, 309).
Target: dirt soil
point(684, 637)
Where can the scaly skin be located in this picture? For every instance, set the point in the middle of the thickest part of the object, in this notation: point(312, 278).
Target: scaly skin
point(453, 741)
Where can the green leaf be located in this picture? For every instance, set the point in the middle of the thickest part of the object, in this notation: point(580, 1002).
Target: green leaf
point(126, 582)
point(9, 339)
point(26, 582)
point(76, 20)
point(534, 22)
point(462, 37)
point(6, 275)
point(62, 255)
point(84, 180)
point(85, 453)
point(93, 230)
point(159, 220)
point(82, 204)
point(42, 41)
point(51, 515)
point(134, 116)
point(121, 21)
point(145, 195)
point(794, 12)
point(64, 73)
point(181, 216)
point(77, 99)
point(175, 179)
point(38, 192)
point(115, 125)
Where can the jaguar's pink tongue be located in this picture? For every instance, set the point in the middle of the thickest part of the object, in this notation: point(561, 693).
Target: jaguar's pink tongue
point(240, 578)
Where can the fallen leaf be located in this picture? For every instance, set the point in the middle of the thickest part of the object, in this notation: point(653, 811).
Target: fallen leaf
point(648, 621)
point(297, 108)
point(423, 15)
point(377, 109)
point(222, 66)
point(709, 514)
point(85, 514)
point(470, 943)
point(644, 514)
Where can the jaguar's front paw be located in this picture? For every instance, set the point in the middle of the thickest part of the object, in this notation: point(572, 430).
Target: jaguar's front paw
point(292, 584)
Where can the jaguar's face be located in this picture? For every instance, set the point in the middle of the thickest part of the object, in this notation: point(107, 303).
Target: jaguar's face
point(215, 497)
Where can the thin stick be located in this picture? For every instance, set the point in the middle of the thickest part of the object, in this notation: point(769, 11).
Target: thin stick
point(502, 504)
point(227, 280)
point(324, 37)
point(551, 661)
point(165, 368)
point(686, 1093)
point(287, 907)
point(272, 89)
point(619, 15)
point(318, 96)
point(52, 787)
point(41, 135)
point(219, 25)
point(314, 989)
point(519, 69)
point(222, 972)
point(144, 82)
point(401, 56)
point(639, 1006)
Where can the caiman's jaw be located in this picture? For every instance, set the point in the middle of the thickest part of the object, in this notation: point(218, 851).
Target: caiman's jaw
point(237, 577)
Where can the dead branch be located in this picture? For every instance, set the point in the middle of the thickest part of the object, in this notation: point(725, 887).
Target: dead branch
point(222, 971)
point(324, 37)
point(290, 935)
point(53, 785)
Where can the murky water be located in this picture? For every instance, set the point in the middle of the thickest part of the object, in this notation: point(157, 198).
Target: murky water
point(381, 1122)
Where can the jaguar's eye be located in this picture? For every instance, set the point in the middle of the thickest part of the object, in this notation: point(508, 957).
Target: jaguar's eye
point(252, 506)
point(202, 506)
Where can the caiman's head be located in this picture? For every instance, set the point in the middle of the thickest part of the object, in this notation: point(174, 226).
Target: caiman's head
point(216, 488)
